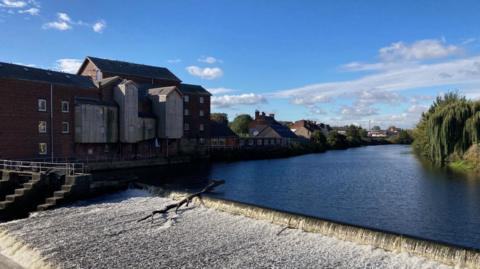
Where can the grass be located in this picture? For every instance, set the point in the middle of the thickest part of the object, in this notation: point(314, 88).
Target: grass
point(462, 165)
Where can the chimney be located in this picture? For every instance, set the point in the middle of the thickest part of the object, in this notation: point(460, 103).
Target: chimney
point(271, 115)
point(257, 113)
point(263, 113)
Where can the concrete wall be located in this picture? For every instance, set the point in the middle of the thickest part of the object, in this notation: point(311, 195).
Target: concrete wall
point(96, 124)
point(169, 111)
point(126, 96)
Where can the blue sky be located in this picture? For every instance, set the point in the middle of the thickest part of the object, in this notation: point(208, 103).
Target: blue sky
point(338, 62)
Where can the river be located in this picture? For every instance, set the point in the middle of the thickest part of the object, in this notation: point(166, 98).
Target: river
point(381, 187)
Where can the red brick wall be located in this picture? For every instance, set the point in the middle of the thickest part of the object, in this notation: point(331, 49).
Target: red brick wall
point(19, 118)
point(194, 119)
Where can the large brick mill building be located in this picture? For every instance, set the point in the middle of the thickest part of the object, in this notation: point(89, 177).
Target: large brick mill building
point(109, 110)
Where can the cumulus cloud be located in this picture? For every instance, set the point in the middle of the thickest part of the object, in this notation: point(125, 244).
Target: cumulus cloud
point(62, 23)
point(220, 90)
point(99, 26)
point(235, 100)
point(209, 60)
point(205, 73)
point(68, 65)
point(13, 4)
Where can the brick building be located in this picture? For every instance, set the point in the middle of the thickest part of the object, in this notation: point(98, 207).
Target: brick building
point(109, 110)
point(196, 117)
point(37, 111)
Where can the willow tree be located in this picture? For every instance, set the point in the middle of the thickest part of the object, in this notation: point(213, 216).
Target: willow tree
point(448, 128)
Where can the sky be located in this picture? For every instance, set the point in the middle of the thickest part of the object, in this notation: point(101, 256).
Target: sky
point(338, 62)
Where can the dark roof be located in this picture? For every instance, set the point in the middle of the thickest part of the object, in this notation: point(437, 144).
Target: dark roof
point(20, 72)
point(193, 89)
point(163, 90)
point(107, 81)
point(131, 69)
point(281, 130)
point(218, 129)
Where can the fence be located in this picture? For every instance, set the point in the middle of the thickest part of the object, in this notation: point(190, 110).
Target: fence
point(40, 167)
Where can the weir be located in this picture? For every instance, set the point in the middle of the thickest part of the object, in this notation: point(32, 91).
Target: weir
point(438, 251)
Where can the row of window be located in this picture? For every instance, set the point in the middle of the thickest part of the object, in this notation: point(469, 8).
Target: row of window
point(42, 106)
point(186, 99)
point(187, 113)
point(186, 127)
point(42, 127)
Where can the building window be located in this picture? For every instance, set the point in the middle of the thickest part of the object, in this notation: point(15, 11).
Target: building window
point(65, 106)
point(201, 113)
point(186, 98)
point(42, 105)
point(186, 127)
point(42, 127)
point(201, 140)
point(201, 127)
point(201, 100)
point(65, 128)
point(186, 112)
point(42, 148)
point(259, 142)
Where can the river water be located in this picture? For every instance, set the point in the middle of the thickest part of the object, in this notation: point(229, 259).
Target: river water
point(381, 187)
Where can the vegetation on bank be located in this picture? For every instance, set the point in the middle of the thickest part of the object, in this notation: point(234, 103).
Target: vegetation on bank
point(355, 137)
point(448, 133)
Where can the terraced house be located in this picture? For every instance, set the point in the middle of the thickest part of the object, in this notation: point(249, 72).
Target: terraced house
point(109, 110)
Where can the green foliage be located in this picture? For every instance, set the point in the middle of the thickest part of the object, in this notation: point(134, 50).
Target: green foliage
point(219, 117)
point(319, 140)
point(448, 128)
point(336, 140)
point(240, 124)
point(376, 128)
point(355, 135)
point(403, 137)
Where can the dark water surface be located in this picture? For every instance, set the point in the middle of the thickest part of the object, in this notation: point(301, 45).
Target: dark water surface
point(383, 187)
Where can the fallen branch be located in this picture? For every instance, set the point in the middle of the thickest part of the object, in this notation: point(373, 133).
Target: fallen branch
point(185, 201)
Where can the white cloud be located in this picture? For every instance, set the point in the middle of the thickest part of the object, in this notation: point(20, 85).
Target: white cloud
point(29, 65)
point(419, 50)
point(68, 65)
point(13, 4)
point(31, 11)
point(205, 73)
point(235, 100)
point(99, 26)
point(63, 17)
point(174, 61)
point(209, 60)
point(454, 72)
point(417, 109)
point(220, 90)
point(62, 23)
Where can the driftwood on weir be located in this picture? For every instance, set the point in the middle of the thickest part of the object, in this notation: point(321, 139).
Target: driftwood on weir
point(185, 201)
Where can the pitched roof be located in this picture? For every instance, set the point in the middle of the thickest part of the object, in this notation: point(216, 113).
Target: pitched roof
point(163, 90)
point(132, 69)
point(193, 89)
point(20, 72)
point(218, 129)
point(280, 130)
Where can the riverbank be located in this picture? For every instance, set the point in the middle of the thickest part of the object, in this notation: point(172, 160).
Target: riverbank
point(264, 153)
point(104, 233)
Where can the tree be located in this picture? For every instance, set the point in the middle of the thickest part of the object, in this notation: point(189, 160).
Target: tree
point(240, 124)
point(403, 137)
point(219, 117)
point(318, 139)
point(376, 128)
point(354, 135)
point(336, 140)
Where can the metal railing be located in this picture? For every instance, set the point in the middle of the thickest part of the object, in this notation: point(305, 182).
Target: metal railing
point(41, 167)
